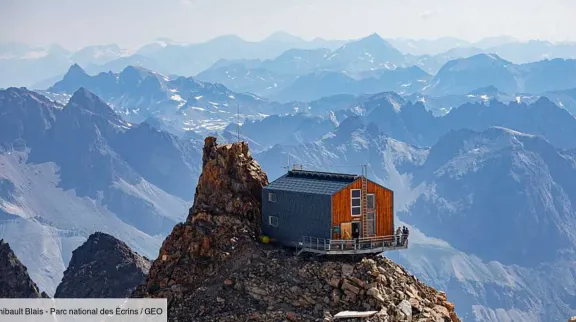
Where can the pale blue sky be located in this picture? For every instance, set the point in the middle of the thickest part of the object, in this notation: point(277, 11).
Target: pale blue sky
point(75, 23)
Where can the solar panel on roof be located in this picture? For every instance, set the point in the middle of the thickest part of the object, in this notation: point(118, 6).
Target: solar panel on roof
point(323, 175)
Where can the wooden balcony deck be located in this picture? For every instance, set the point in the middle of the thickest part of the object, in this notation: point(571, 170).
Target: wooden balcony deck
point(368, 245)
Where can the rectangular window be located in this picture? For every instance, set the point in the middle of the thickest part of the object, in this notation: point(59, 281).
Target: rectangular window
point(273, 221)
point(370, 215)
point(371, 201)
point(370, 223)
point(355, 196)
point(371, 227)
point(271, 197)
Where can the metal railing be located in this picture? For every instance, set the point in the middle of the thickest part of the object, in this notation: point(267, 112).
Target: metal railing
point(323, 245)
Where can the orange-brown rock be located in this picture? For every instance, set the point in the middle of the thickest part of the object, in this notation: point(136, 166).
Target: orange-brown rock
point(230, 184)
point(225, 215)
point(449, 306)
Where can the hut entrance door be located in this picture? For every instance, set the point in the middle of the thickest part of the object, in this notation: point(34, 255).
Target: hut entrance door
point(346, 230)
point(355, 229)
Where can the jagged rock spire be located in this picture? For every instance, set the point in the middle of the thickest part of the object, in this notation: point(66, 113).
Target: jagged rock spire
point(231, 182)
point(225, 214)
point(14, 279)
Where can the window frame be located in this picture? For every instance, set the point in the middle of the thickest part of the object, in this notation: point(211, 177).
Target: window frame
point(371, 224)
point(271, 197)
point(355, 207)
point(373, 221)
point(270, 221)
point(373, 195)
point(371, 211)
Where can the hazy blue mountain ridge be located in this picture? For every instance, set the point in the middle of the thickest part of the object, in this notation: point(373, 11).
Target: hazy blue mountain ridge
point(67, 171)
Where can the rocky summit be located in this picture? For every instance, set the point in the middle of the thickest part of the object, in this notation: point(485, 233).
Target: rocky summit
point(14, 279)
point(212, 267)
point(103, 267)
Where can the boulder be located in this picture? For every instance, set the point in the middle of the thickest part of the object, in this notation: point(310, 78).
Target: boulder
point(406, 308)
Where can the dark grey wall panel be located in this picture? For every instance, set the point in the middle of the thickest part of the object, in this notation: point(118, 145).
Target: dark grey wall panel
point(299, 214)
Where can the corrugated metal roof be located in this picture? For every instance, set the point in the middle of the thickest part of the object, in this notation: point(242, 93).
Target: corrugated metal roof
point(324, 183)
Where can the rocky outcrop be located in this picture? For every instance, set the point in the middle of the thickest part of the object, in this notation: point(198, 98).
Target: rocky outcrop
point(268, 284)
point(224, 217)
point(211, 268)
point(230, 184)
point(14, 279)
point(103, 267)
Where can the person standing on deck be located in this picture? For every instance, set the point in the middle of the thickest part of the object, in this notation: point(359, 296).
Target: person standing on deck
point(398, 232)
point(356, 234)
point(407, 233)
point(404, 235)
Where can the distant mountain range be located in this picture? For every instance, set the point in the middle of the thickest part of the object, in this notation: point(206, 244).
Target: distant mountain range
point(538, 183)
point(191, 59)
point(357, 56)
point(371, 65)
point(464, 75)
point(457, 77)
point(184, 104)
point(411, 122)
point(324, 83)
point(38, 68)
point(367, 65)
point(505, 197)
point(68, 171)
point(26, 66)
point(506, 47)
point(431, 46)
